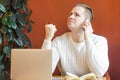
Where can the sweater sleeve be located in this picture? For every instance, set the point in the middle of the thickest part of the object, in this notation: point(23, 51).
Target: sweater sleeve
point(55, 56)
point(46, 44)
point(97, 56)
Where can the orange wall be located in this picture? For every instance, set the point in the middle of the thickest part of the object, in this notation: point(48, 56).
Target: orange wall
point(106, 22)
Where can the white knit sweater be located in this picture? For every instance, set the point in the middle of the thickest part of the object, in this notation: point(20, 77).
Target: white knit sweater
point(79, 58)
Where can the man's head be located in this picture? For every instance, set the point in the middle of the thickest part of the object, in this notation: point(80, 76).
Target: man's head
point(79, 15)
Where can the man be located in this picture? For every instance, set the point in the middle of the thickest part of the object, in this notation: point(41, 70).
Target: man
point(79, 51)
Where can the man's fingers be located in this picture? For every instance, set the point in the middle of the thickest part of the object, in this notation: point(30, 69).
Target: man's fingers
point(88, 26)
point(51, 27)
point(50, 31)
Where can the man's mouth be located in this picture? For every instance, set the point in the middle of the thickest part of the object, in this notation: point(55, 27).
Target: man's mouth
point(71, 21)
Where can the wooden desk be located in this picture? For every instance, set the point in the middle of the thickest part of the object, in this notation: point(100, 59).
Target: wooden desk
point(64, 78)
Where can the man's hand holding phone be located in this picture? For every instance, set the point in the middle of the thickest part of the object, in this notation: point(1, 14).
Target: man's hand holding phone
point(87, 27)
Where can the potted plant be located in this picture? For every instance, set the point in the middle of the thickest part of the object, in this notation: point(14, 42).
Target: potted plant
point(14, 19)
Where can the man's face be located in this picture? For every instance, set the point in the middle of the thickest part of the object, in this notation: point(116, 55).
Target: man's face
point(76, 19)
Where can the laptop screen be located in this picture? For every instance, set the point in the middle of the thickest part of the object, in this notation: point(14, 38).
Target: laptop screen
point(31, 64)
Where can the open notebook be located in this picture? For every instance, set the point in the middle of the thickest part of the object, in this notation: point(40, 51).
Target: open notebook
point(31, 64)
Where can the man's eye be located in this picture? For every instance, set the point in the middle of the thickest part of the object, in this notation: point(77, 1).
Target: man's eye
point(77, 14)
point(70, 13)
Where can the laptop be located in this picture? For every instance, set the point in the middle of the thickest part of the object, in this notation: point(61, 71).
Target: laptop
point(31, 64)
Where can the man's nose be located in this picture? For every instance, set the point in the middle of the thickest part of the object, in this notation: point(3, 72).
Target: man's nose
point(71, 16)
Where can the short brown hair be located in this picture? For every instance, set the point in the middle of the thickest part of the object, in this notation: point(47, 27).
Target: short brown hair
point(88, 10)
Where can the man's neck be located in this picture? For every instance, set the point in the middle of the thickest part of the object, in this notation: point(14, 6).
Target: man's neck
point(78, 37)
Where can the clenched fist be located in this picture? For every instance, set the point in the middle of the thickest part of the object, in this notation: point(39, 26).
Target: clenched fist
point(50, 30)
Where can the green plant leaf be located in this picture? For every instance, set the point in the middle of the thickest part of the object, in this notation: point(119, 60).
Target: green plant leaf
point(10, 30)
point(32, 22)
point(18, 32)
point(30, 12)
point(1, 66)
point(0, 38)
point(12, 24)
point(29, 27)
point(19, 39)
point(3, 29)
point(1, 14)
point(23, 39)
point(20, 19)
point(16, 4)
point(24, 7)
point(1, 57)
point(5, 20)
point(27, 40)
point(8, 36)
point(13, 17)
point(21, 27)
point(2, 8)
point(19, 42)
point(6, 49)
